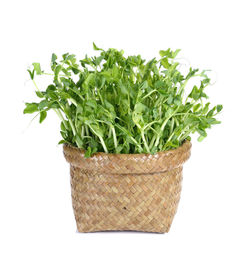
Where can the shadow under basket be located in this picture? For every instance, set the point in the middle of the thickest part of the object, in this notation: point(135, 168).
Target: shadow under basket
point(138, 192)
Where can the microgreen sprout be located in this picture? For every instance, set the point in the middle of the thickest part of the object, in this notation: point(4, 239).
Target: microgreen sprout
point(116, 104)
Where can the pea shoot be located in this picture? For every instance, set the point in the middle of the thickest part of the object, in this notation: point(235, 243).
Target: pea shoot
point(116, 104)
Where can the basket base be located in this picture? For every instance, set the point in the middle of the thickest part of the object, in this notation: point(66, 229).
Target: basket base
point(141, 203)
point(122, 231)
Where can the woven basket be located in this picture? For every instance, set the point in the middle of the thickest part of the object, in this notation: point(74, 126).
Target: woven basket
point(138, 192)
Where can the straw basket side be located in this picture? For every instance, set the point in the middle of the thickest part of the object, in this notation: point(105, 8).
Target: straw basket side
point(138, 192)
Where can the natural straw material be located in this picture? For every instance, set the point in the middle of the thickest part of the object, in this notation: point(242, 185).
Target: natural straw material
point(137, 192)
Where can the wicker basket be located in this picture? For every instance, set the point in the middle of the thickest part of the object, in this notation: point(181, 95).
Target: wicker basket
point(137, 192)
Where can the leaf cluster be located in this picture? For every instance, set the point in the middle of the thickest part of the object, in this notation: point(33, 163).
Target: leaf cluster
point(116, 104)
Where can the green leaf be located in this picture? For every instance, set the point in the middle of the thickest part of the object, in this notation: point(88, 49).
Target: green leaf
point(43, 104)
point(64, 95)
point(62, 126)
point(64, 135)
point(176, 53)
point(140, 107)
point(95, 47)
point(53, 58)
point(165, 63)
point(97, 130)
point(165, 53)
point(75, 70)
point(206, 108)
point(92, 103)
point(200, 138)
point(39, 94)
point(37, 68)
point(213, 121)
point(168, 53)
point(202, 132)
point(195, 93)
point(62, 142)
point(170, 99)
point(88, 152)
point(169, 112)
point(31, 73)
point(52, 95)
point(65, 56)
point(57, 70)
point(79, 141)
point(211, 112)
point(50, 88)
point(177, 101)
point(191, 73)
point(30, 108)
point(54, 105)
point(43, 115)
point(90, 79)
point(109, 106)
point(196, 107)
point(219, 107)
point(124, 89)
point(119, 149)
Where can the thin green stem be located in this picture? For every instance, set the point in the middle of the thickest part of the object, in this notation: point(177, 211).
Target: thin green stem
point(110, 132)
point(103, 144)
point(183, 86)
point(87, 130)
point(58, 112)
point(82, 132)
point(100, 138)
point(170, 137)
point(36, 86)
point(152, 142)
point(185, 136)
point(72, 126)
point(149, 124)
point(114, 136)
point(48, 74)
point(149, 94)
point(172, 126)
point(69, 119)
point(163, 127)
point(100, 96)
point(145, 142)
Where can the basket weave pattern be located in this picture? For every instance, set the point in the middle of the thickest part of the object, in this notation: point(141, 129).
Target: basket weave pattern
point(137, 192)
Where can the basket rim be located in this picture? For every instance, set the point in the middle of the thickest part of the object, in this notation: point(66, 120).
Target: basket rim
point(111, 163)
point(186, 145)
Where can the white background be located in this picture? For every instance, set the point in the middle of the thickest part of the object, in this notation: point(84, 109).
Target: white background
point(36, 217)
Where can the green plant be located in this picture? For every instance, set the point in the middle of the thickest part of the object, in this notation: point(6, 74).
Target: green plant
point(116, 104)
